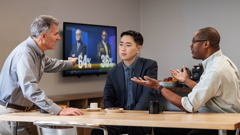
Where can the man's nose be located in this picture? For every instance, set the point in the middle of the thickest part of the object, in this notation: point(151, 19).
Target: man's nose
point(59, 38)
point(191, 44)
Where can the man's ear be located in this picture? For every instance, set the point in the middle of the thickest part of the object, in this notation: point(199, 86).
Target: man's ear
point(43, 36)
point(207, 43)
point(139, 47)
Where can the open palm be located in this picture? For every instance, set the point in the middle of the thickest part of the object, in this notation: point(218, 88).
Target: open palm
point(149, 82)
point(180, 76)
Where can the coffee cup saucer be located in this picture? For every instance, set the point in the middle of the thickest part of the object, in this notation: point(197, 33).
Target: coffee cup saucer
point(114, 110)
point(94, 109)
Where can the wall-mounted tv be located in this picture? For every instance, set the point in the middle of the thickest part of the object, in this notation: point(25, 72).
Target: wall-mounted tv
point(95, 46)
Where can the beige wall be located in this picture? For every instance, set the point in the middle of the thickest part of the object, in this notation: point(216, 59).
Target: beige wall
point(17, 15)
point(169, 25)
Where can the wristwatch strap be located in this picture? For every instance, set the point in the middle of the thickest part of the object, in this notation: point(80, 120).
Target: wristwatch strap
point(160, 89)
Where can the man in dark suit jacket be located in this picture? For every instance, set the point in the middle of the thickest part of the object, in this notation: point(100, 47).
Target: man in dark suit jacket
point(115, 92)
point(79, 48)
point(104, 48)
point(120, 91)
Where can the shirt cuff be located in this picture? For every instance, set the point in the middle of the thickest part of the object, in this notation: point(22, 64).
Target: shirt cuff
point(69, 64)
point(187, 104)
point(54, 109)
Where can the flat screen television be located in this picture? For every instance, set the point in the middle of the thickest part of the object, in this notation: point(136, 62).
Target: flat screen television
point(95, 46)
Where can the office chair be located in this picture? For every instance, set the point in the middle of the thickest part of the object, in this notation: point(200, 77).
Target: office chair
point(63, 128)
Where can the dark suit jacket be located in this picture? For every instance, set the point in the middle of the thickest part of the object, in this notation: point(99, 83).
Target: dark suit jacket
point(114, 91)
point(82, 50)
point(99, 54)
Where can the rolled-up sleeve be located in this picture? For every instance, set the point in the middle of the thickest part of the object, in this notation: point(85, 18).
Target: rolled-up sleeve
point(206, 89)
point(55, 65)
point(187, 104)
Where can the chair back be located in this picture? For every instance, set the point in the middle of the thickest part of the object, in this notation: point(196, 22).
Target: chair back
point(63, 128)
point(55, 128)
point(52, 131)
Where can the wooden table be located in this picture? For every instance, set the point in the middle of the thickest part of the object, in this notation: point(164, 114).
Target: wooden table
point(219, 121)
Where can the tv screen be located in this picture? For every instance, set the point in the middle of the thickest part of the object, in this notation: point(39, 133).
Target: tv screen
point(95, 46)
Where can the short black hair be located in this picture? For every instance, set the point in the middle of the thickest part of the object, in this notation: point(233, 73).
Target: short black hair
point(210, 34)
point(138, 38)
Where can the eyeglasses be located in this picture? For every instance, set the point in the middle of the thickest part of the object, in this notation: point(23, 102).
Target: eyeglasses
point(194, 41)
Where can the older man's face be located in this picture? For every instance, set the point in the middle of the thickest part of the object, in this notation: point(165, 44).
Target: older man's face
point(78, 35)
point(51, 37)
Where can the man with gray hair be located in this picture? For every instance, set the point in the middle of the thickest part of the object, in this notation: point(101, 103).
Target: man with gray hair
point(23, 70)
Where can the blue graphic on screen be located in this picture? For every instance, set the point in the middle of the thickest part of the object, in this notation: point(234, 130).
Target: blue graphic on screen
point(91, 37)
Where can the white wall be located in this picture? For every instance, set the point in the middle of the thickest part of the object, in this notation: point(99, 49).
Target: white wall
point(17, 15)
point(169, 25)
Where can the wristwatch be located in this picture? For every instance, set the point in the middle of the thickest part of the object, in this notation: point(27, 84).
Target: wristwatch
point(159, 89)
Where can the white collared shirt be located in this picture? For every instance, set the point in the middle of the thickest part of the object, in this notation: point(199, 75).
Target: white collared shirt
point(218, 89)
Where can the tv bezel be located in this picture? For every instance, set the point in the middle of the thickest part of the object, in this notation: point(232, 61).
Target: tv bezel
point(64, 47)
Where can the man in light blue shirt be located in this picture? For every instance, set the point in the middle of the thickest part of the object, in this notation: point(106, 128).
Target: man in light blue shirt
point(23, 70)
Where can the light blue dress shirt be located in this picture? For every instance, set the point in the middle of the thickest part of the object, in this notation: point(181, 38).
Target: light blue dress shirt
point(22, 72)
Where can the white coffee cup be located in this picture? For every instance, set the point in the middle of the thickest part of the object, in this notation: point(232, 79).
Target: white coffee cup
point(93, 105)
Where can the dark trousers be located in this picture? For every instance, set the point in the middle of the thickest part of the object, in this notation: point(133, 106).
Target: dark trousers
point(116, 130)
point(179, 131)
